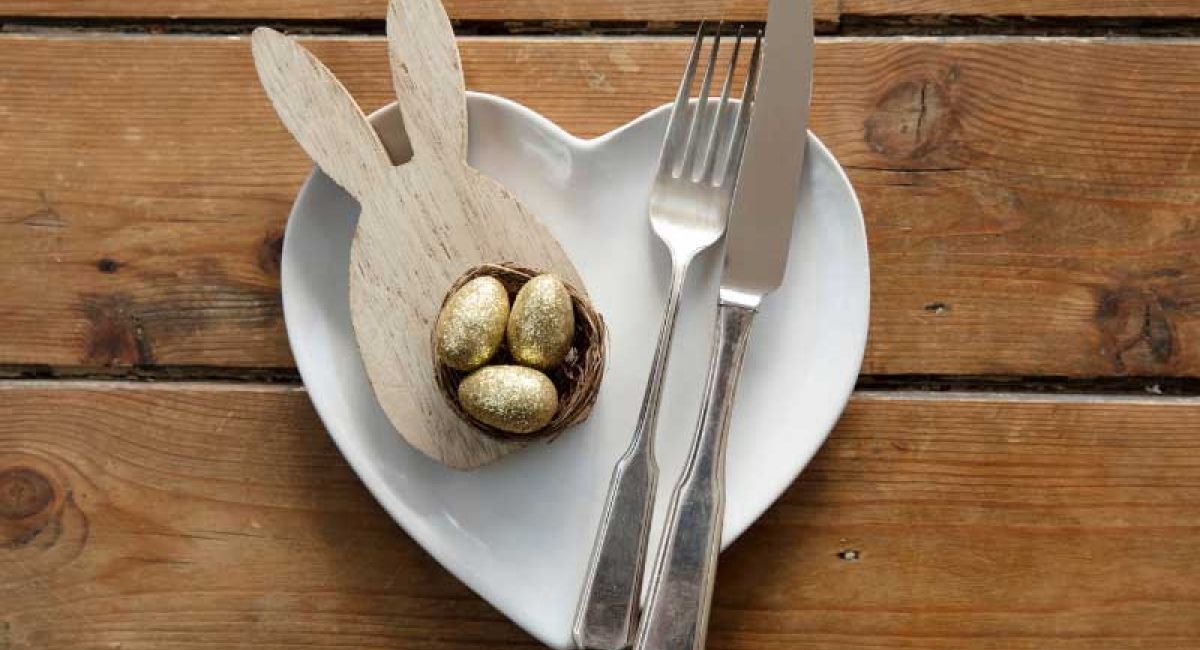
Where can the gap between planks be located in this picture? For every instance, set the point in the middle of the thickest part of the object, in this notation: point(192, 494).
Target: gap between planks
point(847, 25)
point(98, 385)
point(1155, 389)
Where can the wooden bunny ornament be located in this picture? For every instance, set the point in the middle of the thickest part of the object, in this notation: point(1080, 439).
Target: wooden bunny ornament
point(422, 223)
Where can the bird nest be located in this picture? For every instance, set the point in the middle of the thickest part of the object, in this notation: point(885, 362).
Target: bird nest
point(577, 378)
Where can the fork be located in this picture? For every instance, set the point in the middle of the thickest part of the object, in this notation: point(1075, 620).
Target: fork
point(689, 206)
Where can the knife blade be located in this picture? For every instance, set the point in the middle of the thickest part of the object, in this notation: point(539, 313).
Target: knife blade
point(764, 205)
point(757, 242)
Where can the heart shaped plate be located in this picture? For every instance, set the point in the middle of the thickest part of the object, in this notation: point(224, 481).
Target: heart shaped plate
point(519, 532)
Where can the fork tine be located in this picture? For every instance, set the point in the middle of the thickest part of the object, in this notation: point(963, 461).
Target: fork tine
point(691, 153)
point(676, 124)
point(718, 133)
point(738, 146)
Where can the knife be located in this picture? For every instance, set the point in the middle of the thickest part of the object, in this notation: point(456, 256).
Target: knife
point(756, 251)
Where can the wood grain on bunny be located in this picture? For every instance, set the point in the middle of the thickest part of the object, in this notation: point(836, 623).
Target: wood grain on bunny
point(422, 223)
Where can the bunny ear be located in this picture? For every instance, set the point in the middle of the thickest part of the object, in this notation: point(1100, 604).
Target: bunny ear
point(428, 77)
point(320, 113)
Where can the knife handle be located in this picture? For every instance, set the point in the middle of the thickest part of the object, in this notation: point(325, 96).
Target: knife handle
point(681, 587)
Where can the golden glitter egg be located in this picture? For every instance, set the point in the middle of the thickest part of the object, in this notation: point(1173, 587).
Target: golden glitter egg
point(541, 326)
point(515, 399)
point(471, 326)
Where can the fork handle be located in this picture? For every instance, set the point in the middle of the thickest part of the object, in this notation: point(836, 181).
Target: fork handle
point(608, 605)
point(676, 615)
point(607, 610)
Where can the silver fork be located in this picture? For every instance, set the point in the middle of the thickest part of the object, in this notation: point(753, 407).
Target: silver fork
point(689, 206)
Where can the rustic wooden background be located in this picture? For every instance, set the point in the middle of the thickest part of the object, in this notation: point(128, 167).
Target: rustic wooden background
point(1019, 470)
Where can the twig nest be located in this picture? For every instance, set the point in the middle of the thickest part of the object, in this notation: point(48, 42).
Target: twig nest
point(543, 376)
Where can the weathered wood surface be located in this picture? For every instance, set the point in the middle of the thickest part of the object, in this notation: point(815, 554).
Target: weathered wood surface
point(601, 10)
point(1031, 209)
point(1030, 203)
point(196, 516)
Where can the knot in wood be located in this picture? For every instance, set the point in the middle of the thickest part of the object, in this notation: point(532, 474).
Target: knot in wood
point(1135, 320)
point(24, 493)
point(910, 120)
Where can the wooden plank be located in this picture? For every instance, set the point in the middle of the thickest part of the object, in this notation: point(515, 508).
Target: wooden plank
point(554, 10)
point(1030, 8)
point(827, 11)
point(190, 516)
point(1030, 202)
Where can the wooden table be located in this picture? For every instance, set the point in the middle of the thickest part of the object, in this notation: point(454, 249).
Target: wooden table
point(1010, 475)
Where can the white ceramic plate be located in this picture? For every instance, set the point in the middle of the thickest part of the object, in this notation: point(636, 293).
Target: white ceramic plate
point(519, 532)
